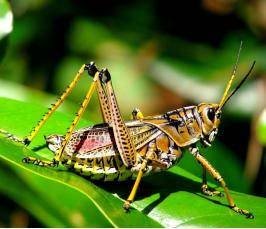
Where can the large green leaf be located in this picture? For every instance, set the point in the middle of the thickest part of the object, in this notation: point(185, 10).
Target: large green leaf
point(61, 198)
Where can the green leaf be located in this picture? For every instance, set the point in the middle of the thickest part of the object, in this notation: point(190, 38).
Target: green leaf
point(61, 198)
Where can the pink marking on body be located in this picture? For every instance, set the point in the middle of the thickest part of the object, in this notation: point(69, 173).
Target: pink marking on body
point(91, 144)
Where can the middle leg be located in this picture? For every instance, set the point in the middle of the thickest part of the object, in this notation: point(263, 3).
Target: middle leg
point(143, 166)
point(204, 187)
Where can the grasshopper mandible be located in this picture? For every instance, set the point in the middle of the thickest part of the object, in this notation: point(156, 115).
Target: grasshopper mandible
point(119, 150)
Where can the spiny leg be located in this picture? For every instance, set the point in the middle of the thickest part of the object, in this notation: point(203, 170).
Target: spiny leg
point(131, 197)
point(39, 162)
point(142, 168)
point(123, 140)
point(33, 160)
point(204, 186)
point(83, 106)
point(194, 151)
point(81, 110)
point(115, 115)
point(27, 140)
point(11, 136)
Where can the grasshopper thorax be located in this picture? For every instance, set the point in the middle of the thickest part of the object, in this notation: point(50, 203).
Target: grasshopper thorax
point(210, 115)
point(54, 141)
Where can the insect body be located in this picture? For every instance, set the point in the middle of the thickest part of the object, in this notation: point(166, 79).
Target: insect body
point(96, 154)
point(119, 150)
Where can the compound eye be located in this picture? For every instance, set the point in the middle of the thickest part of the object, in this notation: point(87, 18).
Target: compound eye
point(211, 114)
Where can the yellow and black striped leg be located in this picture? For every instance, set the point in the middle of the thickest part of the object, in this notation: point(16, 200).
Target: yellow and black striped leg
point(32, 160)
point(149, 157)
point(39, 162)
point(123, 140)
point(133, 192)
point(36, 129)
point(81, 110)
point(194, 151)
point(27, 140)
point(11, 136)
point(59, 152)
point(204, 187)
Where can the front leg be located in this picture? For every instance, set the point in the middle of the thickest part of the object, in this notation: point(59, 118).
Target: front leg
point(204, 187)
point(195, 152)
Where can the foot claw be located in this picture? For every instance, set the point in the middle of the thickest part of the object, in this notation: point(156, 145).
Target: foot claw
point(26, 141)
point(126, 206)
point(221, 194)
point(248, 214)
point(25, 160)
point(206, 191)
point(55, 163)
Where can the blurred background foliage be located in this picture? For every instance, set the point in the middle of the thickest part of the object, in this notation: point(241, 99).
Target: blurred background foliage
point(162, 55)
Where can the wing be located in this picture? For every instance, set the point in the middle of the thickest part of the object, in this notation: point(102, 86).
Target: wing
point(91, 142)
point(98, 141)
point(142, 133)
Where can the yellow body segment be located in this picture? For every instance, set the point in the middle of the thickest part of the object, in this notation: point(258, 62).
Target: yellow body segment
point(183, 125)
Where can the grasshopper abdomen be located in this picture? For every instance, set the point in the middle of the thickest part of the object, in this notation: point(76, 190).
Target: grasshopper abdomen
point(92, 151)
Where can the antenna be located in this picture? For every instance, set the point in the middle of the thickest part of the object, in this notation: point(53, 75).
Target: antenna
point(239, 85)
point(231, 79)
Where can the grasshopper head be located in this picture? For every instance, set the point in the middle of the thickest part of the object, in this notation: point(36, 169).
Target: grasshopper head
point(210, 115)
point(54, 141)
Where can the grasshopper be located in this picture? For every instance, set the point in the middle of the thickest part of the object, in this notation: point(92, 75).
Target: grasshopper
point(119, 150)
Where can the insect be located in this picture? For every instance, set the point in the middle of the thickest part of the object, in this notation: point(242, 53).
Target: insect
point(119, 150)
